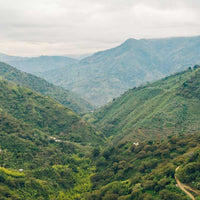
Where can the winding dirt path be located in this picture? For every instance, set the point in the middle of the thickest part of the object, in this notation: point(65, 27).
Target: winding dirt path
point(184, 187)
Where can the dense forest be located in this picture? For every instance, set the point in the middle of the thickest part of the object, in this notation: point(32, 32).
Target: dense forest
point(146, 170)
point(136, 147)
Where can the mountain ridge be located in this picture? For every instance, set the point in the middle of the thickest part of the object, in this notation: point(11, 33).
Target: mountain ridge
point(107, 74)
point(41, 112)
point(62, 95)
point(37, 64)
point(170, 105)
point(48, 152)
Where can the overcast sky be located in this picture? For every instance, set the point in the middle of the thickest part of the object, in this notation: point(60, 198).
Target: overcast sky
point(58, 27)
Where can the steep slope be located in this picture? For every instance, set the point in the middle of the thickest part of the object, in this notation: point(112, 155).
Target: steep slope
point(45, 151)
point(44, 113)
point(63, 96)
point(167, 106)
point(107, 74)
point(42, 147)
point(37, 64)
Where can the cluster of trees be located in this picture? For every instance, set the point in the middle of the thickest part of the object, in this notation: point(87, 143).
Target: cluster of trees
point(147, 171)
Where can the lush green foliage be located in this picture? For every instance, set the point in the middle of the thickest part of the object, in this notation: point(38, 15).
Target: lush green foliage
point(47, 152)
point(63, 96)
point(107, 74)
point(45, 139)
point(146, 171)
point(158, 109)
point(47, 182)
point(43, 113)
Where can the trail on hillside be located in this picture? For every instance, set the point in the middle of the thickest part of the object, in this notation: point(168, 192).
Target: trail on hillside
point(184, 187)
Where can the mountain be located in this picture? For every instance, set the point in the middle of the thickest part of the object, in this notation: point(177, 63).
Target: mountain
point(37, 64)
point(62, 95)
point(42, 146)
point(48, 152)
point(165, 107)
point(43, 113)
point(107, 74)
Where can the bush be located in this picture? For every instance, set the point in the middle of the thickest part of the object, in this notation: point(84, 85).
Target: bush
point(110, 197)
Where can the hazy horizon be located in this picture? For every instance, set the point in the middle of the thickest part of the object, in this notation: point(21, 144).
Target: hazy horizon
point(47, 27)
point(84, 55)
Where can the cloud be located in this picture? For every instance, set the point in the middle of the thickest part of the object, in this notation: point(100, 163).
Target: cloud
point(80, 26)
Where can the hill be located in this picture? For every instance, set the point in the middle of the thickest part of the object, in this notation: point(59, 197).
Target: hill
point(60, 94)
point(107, 74)
point(37, 64)
point(43, 113)
point(154, 110)
point(48, 152)
point(42, 146)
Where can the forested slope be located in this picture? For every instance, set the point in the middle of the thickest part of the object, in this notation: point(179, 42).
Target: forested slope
point(107, 74)
point(62, 95)
point(147, 170)
point(48, 152)
point(158, 109)
point(42, 146)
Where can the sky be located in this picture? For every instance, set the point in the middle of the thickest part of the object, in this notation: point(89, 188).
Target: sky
point(73, 27)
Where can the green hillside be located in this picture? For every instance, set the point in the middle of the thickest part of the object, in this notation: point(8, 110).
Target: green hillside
point(45, 139)
point(107, 74)
point(47, 152)
point(63, 96)
point(44, 113)
point(154, 110)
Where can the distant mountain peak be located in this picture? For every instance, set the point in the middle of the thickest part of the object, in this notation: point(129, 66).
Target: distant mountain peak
point(132, 43)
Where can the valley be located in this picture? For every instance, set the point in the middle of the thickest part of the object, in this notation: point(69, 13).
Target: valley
point(65, 97)
point(107, 74)
point(144, 144)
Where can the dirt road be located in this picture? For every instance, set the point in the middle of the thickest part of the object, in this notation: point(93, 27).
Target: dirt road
point(184, 187)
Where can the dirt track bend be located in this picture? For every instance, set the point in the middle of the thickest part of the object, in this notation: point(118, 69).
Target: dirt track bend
point(184, 187)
